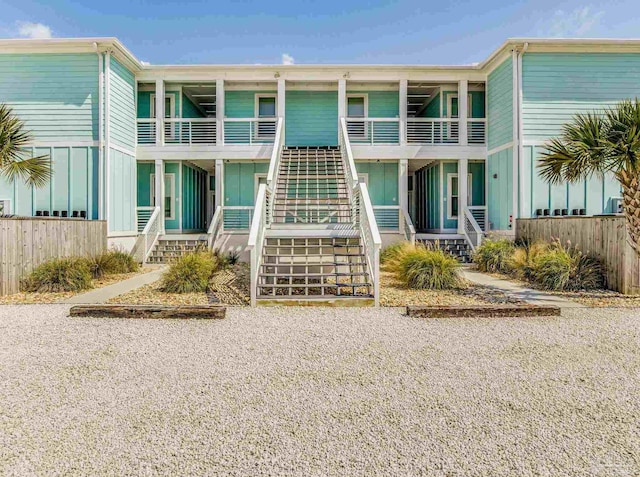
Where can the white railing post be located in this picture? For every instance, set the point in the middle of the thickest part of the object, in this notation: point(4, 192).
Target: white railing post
point(160, 192)
point(403, 93)
point(220, 112)
point(463, 101)
point(159, 110)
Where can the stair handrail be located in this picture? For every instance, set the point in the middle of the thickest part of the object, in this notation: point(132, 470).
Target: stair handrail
point(216, 227)
point(472, 231)
point(148, 237)
point(363, 215)
point(274, 167)
point(408, 228)
point(256, 239)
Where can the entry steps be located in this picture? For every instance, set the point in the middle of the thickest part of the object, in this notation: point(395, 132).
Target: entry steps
point(168, 249)
point(458, 247)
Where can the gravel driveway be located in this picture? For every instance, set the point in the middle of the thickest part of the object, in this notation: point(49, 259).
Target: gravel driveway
point(319, 392)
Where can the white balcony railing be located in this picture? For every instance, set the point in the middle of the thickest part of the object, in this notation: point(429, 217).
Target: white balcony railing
point(251, 131)
point(476, 130)
point(237, 217)
point(146, 131)
point(190, 131)
point(374, 131)
point(433, 131)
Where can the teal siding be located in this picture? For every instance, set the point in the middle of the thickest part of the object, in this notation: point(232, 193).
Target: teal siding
point(382, 181)
point(500, 189)
point(381, 104)
point(189, 110)
point(311, 118)
point(194, 193)
point(144, 104)
point(144, 171)
point(242, 104)
point(123, 106)
point(56, 95)
point(557, 86)
point(477, 103)
point(74, 184)
point(239, 182)
point(594, 194)
point(478, 183)
point(500, 105)
point(433, 108)
point(122, 192)
point(427, 198)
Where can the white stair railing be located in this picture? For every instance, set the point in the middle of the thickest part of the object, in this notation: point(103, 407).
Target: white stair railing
point(148, 237)
point(479, 213)
point(216, 227)
point(407, 227)
point(472, 231)
point(256, 239)
point(274, 167)
point(362, 210)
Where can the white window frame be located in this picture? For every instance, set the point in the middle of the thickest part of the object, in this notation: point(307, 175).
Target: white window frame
point(355, 129)
point(172, 102)
point(256, 104)
point(256, 183)
point(450, 100)
point(7, 206)
point(450, 177)
point(172, 182)
point(366, 103)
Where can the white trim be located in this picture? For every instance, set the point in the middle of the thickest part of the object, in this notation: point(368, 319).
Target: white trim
point(450, 176)
point(520, 184)
point(256, 183)
point(469, 106)
point(514, 164)
point(101, 136)
point(64, 143)
point(126, 233)
point(171, 193)
point(172, 105)
point(495, 150)
point(364, 178)
point(107, 134)
point(123, 150)
point(534, 142)
point(365, 97)
point(256, 104)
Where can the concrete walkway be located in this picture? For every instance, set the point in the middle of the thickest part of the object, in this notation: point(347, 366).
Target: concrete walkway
point(515, 290)
point(102, 295)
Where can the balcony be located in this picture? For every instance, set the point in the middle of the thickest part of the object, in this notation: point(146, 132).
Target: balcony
point(249, 131)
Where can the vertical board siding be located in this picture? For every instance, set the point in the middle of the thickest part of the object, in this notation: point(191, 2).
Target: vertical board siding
point(242, 104)
point(56, 95)
point(123, 106)
point(189, 110)
point(602, 237)
point(311, 118)
point(500, 105)
point(555, 86)
point(381, 104)
point(433, 108)
point(73, 185)
point(239, 181)
point(26, 243)
point(500, 189)
point(122, 192)
point(427, 190)
point(478, 183)
point(382, 181)
point(194, 197)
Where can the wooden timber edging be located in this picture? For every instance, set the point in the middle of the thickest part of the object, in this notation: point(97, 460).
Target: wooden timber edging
point(482, 311)
point(212, 312)
point(602, 236)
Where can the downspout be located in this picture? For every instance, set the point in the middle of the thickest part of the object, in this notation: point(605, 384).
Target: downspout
point(107, 133)
point(521, 134)
point(515, 176)
point(100, 135)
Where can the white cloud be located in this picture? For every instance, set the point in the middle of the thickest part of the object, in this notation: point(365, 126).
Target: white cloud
point(577, 23)
point(287, 59)
point(34, 30)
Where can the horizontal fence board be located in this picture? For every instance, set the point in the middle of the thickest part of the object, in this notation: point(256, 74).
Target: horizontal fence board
point(604, 237)
point(26, 242)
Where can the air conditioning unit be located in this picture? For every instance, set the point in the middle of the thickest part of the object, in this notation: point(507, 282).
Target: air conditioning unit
point(616, 205)
point(5, 207)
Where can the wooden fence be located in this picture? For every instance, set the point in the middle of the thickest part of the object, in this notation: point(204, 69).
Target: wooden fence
point(26, 242)
point(604, 237)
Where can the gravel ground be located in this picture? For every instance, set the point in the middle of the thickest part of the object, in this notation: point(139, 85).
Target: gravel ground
point(289, 391)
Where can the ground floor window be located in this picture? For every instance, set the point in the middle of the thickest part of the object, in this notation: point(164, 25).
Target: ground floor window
point(169, 194)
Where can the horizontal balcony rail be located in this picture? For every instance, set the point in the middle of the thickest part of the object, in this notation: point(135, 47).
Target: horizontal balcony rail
point(237, 217)
point(387, 216)
point(476, 130)
point(251, 131)
point(433, 131)
point(190, 131)
point(146, 131)
point(374, 131)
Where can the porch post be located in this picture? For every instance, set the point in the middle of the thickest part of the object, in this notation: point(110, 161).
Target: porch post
point(404, 86)
point(219, 113)
point(463, 188)
point(219, 178)
point(342, 98)
point(160, 193)
point(282, 102)
point(463, 101)
point(403, 190)
point(159, 107)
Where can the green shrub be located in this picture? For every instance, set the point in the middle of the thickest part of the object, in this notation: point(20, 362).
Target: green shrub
point(391, 256)
point(391, 252)
point(190, 273)
point(59, 275)
point(425, 267)
point(112, 262)
point(494, 255)
point(523, 258)
point(566, 268)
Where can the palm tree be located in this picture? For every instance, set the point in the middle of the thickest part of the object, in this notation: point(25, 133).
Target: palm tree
point(14, 139)
point(597, 144)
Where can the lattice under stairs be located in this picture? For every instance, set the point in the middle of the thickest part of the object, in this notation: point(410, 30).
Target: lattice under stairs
point(169, 249)
point(458, 247)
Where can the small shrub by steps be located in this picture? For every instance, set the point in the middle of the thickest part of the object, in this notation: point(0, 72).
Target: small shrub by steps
point(59, 275)
point(191, 272)
point(494, 255)
point(112, 262)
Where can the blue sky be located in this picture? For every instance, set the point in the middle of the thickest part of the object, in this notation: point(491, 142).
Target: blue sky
point(325, 31)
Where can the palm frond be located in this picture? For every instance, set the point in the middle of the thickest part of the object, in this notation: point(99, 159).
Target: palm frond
point(34, 171)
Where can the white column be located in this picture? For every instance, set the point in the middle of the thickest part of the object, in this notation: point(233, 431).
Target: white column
point(342, 98)
point(219, 183)
point(403, 189)
point(159, 107)
point(282, 101)
point(463, 101)
point(220, 112)
point(160, 193)
point(404, 86)
point(463, 187)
